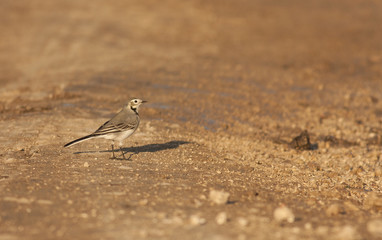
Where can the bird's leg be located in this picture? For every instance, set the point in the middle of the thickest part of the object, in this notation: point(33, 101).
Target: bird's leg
point(130, 156)
point(112, 150)
point(123, 154)
point(120, 148)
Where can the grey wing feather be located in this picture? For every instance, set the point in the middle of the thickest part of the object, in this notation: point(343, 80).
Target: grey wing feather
point(120, 122)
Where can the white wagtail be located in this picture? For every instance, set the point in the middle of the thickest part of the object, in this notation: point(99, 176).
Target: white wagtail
point(120, 127)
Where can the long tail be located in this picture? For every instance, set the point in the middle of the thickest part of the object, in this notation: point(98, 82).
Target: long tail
point(80, 140)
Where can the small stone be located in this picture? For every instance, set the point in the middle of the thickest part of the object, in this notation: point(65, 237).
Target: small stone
point(143, 233)
point(86, 164)
point(283, 213)
point(372, 135)
point(375, 227)
point(125, 168)
point(346, 233)
point(243, 222)
point(174, 125)
point(93, 212)
point(308, 226)
point(174, 220)
point(143, 202)
point(44, 202)
point(18, 200)
point(197, 220)
point(221, 218)
point(302, 142)
point(351, 207)
point(357, 170)
point(197, 203)
point(322, 230)
point(161, 215)
point(334, 210)
point(378, 171)
point(296, 230)
point(219, 197)
point(9, 160)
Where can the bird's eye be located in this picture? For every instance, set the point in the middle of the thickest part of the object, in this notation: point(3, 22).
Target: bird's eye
point(136, 101)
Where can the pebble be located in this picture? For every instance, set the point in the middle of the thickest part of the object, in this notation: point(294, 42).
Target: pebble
point(18, 200)
point(345, 233)
point(243, 222)
point(334, 210)
point(125, 168)
point(143, 233)
point(86, 164)
point(308, 226)
point(197, 220)
point(221, 218)
point(296, 230)
point(372, 135)
point(322, 230)
point(143, 202)
point(44, 202)
point(283, 213)
point(375, 227)
point(9, 160)
point(378, 171)
point(197, 203)
point(174, 220)
point(219, 197)
point(351, 207)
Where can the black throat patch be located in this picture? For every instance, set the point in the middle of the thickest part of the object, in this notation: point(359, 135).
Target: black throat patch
point(134, 109)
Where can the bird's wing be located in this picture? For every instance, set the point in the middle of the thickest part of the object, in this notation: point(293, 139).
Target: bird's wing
point(117, 124)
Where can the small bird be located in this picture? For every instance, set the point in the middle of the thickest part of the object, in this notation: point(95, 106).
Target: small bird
point(118, 128)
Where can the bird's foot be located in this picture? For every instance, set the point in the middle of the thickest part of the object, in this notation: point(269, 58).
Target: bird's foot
point(123, 155)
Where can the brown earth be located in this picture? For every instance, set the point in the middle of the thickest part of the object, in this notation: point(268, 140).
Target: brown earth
point(230, 84)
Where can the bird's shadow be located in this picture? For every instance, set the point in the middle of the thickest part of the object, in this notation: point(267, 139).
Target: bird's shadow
point(145, 148)
point(154, 147)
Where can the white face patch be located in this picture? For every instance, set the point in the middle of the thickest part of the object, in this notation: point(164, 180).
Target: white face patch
point(134, 104)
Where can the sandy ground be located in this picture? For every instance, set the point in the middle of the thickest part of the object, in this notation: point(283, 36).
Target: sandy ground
point(230, 84)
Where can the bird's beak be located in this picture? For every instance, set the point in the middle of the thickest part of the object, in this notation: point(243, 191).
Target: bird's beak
point(143, 101)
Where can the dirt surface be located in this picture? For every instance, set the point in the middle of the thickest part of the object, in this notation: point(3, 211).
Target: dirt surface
point(230, 84)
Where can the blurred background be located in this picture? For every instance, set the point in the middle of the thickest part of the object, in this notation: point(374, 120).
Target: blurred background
point(204, 53)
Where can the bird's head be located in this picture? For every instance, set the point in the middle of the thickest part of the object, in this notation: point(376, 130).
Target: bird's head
point(135, 103)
